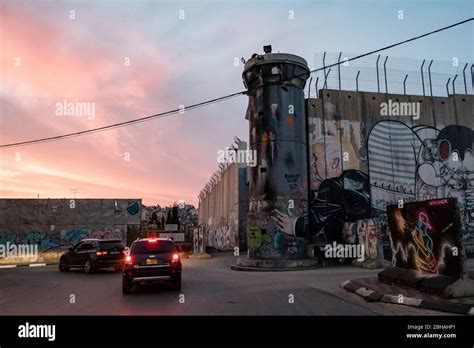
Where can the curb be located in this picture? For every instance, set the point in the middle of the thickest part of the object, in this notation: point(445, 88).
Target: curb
point(269, 265)
point(372, 296)
point(258, 269)
point(28, 265)
point(203, 256)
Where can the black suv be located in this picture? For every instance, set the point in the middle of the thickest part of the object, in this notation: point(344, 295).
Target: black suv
point(92, 254)
point(152, 260)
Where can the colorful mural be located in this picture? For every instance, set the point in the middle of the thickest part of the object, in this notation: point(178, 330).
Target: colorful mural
point(425, 236)
point(53, 224)
point(367, 231)
point(389, 161)
point(224, 236)
point(417, 163)
point(102, 233)
point(334, 148)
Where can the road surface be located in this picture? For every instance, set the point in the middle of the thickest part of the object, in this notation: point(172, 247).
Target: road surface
point(210, 287)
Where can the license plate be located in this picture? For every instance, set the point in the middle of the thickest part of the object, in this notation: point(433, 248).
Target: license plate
point(151, 261)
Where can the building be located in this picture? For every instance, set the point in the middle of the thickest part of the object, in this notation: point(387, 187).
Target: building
point(56, 224)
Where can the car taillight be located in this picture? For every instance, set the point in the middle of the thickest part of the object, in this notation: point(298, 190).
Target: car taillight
point(101, 253)
point(128, 260)
point(152, 240)
point(175, 258)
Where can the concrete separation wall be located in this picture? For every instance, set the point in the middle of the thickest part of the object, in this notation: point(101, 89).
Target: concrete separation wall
point(222, 209)
point(369, 150)
point(53, 225)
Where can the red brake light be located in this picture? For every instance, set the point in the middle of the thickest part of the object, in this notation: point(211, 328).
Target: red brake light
point(101, 253)
point(152, 240)
point(175, 258)
point(128, 260)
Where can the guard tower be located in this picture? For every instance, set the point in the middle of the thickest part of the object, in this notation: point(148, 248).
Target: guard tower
point(278, 190)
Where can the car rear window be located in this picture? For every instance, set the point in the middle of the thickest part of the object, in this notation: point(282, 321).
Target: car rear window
point(152, 248)
point(111, 245)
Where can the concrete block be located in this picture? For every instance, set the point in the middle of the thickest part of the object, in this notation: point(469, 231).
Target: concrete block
point(401, 276)
point(374, 297)
point(350, 286)
point(459, 308)
point(436, 284)
point(459, 288)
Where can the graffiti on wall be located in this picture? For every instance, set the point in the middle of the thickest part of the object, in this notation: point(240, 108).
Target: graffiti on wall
point(133, 208)
point(333, 149)
point(224, 236)
point(278, 242)
point(49, 223)
point(405, 163)
point(421, 163)
point(102, 233)
point(425, 236)
point(349, 233)
point(53, 239)
point(341, 199)
point(198, 240)
point(340, 190)
point(367, 236)
point(75, 235)
point(43, 240)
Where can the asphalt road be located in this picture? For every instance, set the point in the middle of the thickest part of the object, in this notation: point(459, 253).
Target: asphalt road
point(210, 287)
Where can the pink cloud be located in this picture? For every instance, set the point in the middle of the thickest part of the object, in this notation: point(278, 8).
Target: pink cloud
point(55, 67)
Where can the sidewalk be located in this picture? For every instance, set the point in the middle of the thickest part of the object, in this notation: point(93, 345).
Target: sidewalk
point(372, 290)
point(44, 258)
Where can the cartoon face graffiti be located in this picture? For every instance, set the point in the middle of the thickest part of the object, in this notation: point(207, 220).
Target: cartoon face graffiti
point(422, 163)
point(326, 161)
point(331, 154)
point(449, 167)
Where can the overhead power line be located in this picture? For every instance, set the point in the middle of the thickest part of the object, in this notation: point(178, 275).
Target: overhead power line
point(126, 123)
point(216, 100)
point(394, 45)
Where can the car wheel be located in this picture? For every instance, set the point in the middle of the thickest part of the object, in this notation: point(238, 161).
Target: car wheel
point(126, 287)
point(63, 267)
point(176, 284)
point(88, 267)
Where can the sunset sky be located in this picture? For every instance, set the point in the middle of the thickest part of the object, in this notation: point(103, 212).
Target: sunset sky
point(47, 57)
